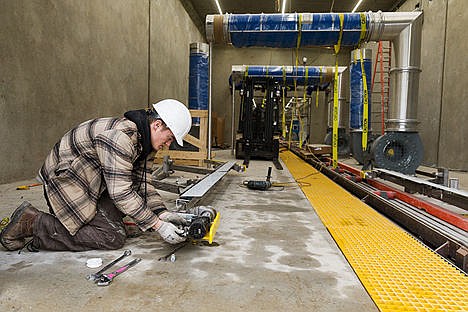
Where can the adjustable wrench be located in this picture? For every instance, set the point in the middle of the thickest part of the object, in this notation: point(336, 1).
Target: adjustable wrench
point(97, 275)
point(106, 279)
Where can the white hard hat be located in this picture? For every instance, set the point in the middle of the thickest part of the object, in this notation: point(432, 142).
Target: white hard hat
point(176, 116)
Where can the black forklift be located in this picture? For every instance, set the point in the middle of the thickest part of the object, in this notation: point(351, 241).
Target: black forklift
point(259, 127)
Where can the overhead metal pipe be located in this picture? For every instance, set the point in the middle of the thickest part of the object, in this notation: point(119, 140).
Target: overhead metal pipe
point(404, 30)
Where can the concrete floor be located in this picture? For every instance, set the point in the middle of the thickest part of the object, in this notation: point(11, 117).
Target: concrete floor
point(272, 253)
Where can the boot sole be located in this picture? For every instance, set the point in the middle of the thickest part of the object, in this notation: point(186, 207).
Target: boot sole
point(14, 218)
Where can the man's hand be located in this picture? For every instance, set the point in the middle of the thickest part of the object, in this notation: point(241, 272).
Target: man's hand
point(173, 217)
point(170, 233)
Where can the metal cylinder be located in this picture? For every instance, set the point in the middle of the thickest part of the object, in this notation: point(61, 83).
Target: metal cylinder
point(341, 105)
point(356, 105)
point(404, 30)
point(198, 77)
point(286, 30)
point(454, 183)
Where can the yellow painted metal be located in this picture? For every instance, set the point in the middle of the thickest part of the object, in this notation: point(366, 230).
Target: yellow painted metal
point(398, 271)
point(213, 228)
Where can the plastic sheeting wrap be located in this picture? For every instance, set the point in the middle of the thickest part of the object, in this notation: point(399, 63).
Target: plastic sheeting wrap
point(356, 104)
point(282, 30)
point(304, 75)
point(198, 81)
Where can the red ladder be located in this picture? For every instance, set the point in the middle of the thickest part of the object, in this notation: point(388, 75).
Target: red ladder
point(383, 59)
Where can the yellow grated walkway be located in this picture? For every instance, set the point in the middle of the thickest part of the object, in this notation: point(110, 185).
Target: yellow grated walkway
point(398, 271)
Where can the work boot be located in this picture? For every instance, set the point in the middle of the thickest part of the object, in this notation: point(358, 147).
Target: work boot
point(20, 227)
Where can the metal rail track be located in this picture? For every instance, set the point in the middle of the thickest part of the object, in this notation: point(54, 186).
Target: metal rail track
point(447, 240)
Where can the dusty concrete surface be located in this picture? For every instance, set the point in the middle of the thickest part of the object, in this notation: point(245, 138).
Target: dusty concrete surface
point(272, 253)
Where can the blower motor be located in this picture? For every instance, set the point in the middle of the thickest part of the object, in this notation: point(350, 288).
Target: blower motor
point(200, 219)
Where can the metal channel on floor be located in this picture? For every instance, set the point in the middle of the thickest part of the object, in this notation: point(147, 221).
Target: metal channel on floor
point(398, 271)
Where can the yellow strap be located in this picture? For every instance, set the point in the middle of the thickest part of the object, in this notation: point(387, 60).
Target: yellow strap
point(335, 98)
point(283, 119)
point(298, 44)
point(335, 117)
point(363, 27)
point(365, 113)
point(246, 73)
point(337, 46)
point(317, 92)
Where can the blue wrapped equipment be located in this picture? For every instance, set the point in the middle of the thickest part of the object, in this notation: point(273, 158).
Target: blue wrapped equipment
point(356, 104)
point(198, 80)
point(283, 30)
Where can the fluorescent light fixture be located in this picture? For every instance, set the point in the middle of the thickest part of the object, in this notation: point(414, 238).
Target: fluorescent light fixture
point(356, 6)
point(284, 7)
point(219, 7)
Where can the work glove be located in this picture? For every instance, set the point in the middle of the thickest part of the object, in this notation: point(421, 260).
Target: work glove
point(170, 233)
point(173, 217)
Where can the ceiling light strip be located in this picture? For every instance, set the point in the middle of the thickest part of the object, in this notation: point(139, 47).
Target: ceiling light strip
point(219, 7)
point(356, 6)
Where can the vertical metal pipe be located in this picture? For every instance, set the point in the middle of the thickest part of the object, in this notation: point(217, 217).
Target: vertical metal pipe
point(210, 100)
point(404, 30)
point(233, 136)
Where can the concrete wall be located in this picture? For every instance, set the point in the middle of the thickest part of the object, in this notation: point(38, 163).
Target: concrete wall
point(171, 33)
point(225, 56)
point(63, 62)
point(442, 108)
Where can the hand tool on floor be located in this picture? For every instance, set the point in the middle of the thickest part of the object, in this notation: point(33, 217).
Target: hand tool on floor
point(171, 256)
point(106, 279)
point(26, 187)
point(97, 275)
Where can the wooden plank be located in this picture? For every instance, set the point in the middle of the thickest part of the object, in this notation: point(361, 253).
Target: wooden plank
point(191, 157)
point(192, 140)
point(319, 149)
point(181, 154)
point(199, 113)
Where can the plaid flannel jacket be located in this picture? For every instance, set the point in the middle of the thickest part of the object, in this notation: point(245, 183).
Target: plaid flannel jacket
point(95, 156)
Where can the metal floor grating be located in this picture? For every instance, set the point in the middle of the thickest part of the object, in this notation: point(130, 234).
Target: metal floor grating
point(398, 271)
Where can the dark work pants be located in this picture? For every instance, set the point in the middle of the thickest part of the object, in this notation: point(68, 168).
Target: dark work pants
point(105, 231)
